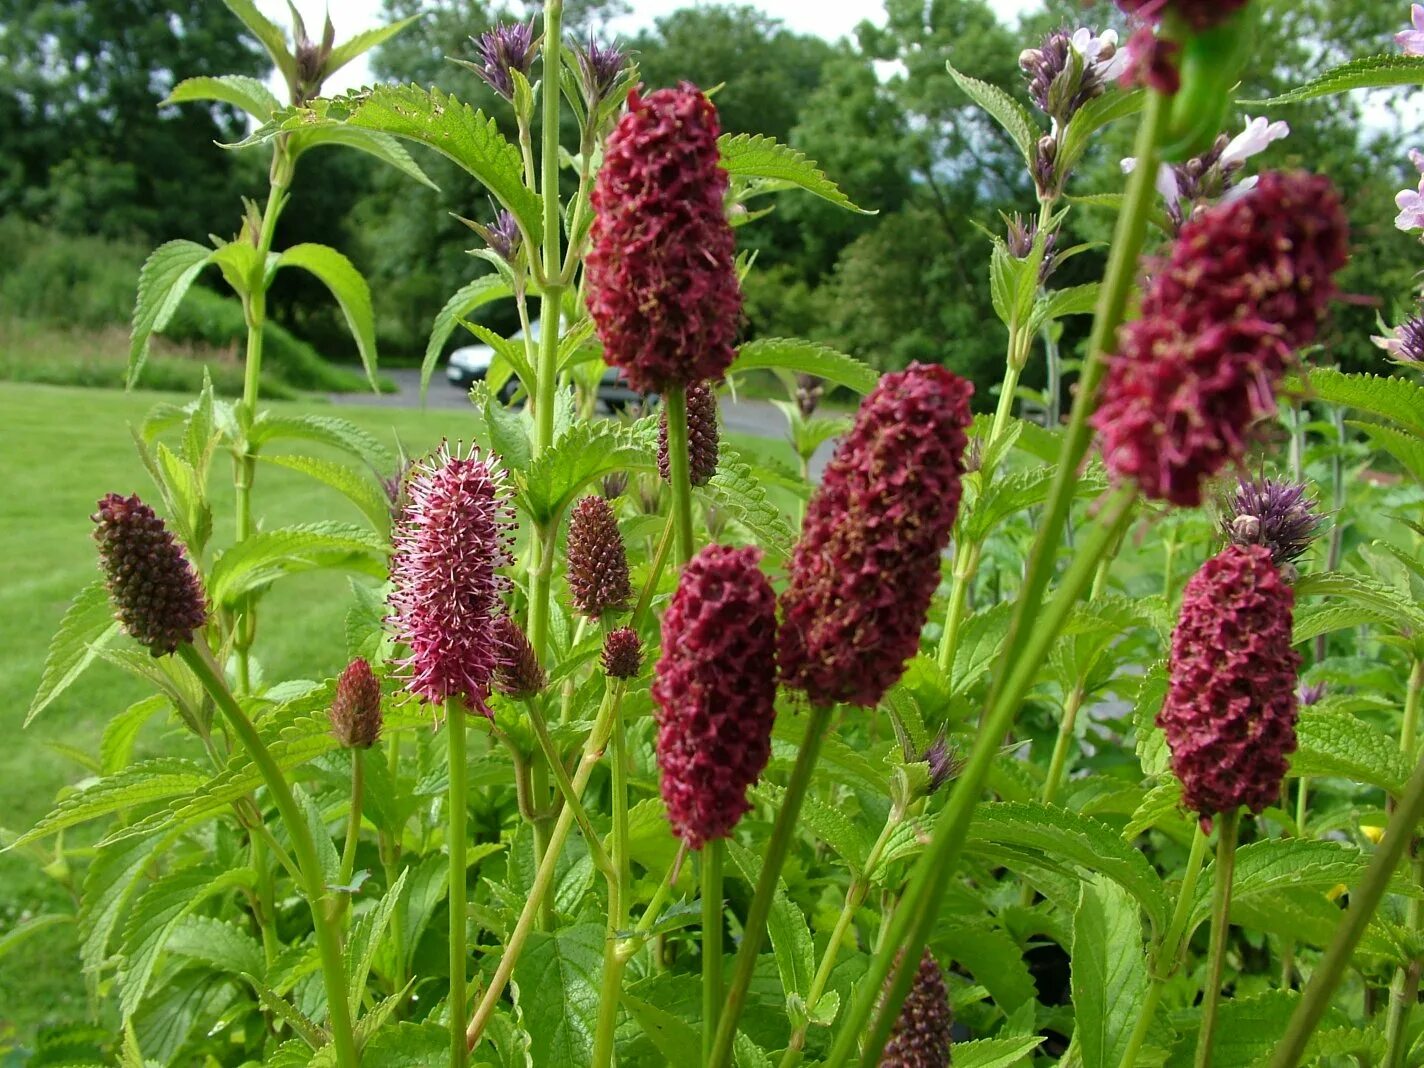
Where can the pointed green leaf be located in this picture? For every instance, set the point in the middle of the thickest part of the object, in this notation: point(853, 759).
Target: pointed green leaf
point(249, 94)
point(161, 908)
point(1075, 300)
point(768, 166)
point(366, 935)
point(1339, 744)
point(116, 747)
point(557, 980)
point(797, 354)
point(785, 926)
point(362, 43)
point(324, 430)
point(1368, 72)
point(429, 117)
point(1003, 109)
point(469, 297)
point(1363, 592)
point(588, 451)
point(162, 281)
point(1109, 973)
point(266, 31)
point(270, 554)
point(357, 486)
point(87, 626)
point(995, 1052)
point(110, 882)
point(140, 785)
point(372, 142)
point(222, 946)
point(1407, 448)
point(735, 491)
point(826, 822)
point(350, 290)
point(1089, 119)
point(676, 1040)
point(1393, 398)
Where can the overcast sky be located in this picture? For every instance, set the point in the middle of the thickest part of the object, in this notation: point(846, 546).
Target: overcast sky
point(828, 18)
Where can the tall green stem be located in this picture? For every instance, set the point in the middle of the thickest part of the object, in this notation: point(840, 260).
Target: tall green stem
point(1220, 925)
point(353, 818)
point(711, 943)
point(544, 877)
point(679, 473)
point(855, 897)
point(754, 930)
point(614, 961)
point(333, 968)
point(566, 788)
point(1404, 989)
point(1364, 899)
point(1032, 630)
point(458, 802)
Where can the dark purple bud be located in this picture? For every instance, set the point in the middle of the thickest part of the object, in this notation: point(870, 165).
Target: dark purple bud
point(502, 50)
point(356, 709)
point(598, 561)
point(921, 1036)
point(517, 673)
point(945, 762)
point(599, 67)
point(622, 653)
point(702, 437)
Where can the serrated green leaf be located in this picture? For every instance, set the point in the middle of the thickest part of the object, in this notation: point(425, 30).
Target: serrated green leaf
point(325, 430)
point(1017, 490)
point(162, 281)
point(161, 908)
point(249, 94)
point(735, 491)
point(1312, 620)
point(1339, 744)
point(1109, 972)
point(140, 785)
point(1162, 803)
point(382, 146)
point(676, 1040)
point(407, 1045)
point(1247, 1029)
point(1368, 72)
point(1075, 300)
point(1363, 592)
point(349, 288)
point(266, 31)
point(796, 354)
point(995, 1052)
point(589, 450)
point(1407, 448)
point(356, 486)
point(1088, 120)
point(1272, 865)
point(311, 1033)
point(1393, 398)
point(222, 946)
point(87, 626)
point(271, 553)
point(980, 638)
point(109, 884)
point(791, 943)
point(557, 980)
point(362, 43)
point(365, 938)
point(772, 166)
point(21, 933)
point(429, 117)
point(991, 956)
point(1003, 109)
point(116, 746)
point(1068, 836)
point(826, 823)
point(469, 297)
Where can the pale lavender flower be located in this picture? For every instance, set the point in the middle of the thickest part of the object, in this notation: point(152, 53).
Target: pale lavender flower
point(1410, 202)
point(1310, 695)
point(453, 538)
point(1213, 175)
point(1253, 140)
point(1412, 40)
point(1404, 343)
point(1070, 68)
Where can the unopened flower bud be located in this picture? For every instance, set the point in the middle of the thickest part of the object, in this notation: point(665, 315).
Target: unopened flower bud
point(598, 562)
point(518, 674)
point(622, 653)
point(502, 50)
point(702, 436)
point(921, 1035)
point(356, 709)
point(1278, 515)
point(157, 597)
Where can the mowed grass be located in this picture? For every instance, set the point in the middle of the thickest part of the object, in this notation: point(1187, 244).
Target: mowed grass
point(60, 450)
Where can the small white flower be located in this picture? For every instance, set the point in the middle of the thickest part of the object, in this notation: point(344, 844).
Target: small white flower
point(1167, 187)
point(1256, 138)
point(1410, 202)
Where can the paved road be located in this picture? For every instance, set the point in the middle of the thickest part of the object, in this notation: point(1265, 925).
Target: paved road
point(745, 416)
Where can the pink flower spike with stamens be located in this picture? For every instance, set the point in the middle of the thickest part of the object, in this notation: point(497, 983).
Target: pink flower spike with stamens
point(452, 539)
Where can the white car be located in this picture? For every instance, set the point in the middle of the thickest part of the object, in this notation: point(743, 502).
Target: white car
point(471, 363)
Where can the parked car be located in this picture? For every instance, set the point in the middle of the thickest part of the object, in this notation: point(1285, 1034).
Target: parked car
point(471, 363)
point(616, 395)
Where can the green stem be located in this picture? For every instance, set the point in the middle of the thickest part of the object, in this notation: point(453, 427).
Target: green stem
point(1409, 732)
point(1404, 989)
point(966, 564)
point(458, 802)
point(566, 789)
point(754, 930)
point(711, 943)
point(679, 469)
point(910, 925)
point(655, 573)
point(543, 823)
point(1142, 1025)
point(544, 877)
point(1066, 723)
point(1023, 652)
point(611, 988)
point(333, 969)
point(1007, 390)
point(1220, 925)
point(1364, 899)
point(353, 820)
point(855, 897)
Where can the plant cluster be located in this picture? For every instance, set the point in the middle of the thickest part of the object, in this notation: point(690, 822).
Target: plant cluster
point(650, 752)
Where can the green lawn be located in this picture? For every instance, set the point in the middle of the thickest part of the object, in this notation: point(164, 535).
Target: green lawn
point(62, 448)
